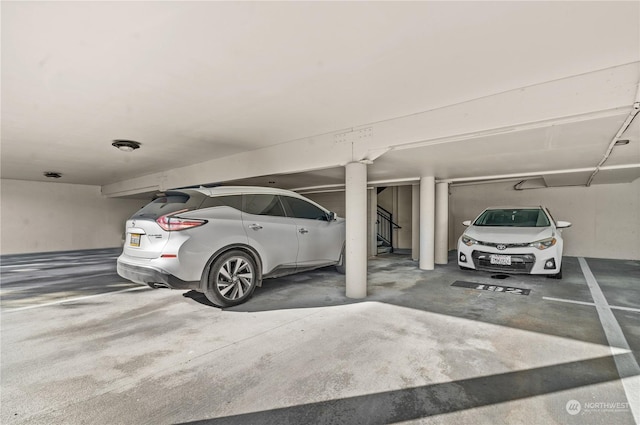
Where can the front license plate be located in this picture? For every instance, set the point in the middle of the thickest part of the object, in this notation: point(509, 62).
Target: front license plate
point(501, 260)
point(135, 239)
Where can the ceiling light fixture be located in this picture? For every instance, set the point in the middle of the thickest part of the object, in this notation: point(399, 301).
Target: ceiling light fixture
point(622, 142)
point(126, 145)
point(52, 174)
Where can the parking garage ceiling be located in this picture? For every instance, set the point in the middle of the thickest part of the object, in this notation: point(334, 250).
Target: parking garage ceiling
point(198, 82)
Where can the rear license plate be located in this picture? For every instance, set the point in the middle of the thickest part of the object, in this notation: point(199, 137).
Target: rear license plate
point(501, 260)
point(135, 239)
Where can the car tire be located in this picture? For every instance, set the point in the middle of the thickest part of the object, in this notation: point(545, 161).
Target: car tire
point(341, 267)
point(556, 276)
point(233, 277)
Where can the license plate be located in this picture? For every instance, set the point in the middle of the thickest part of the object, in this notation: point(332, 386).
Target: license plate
point(501, 260)
point(135, 239)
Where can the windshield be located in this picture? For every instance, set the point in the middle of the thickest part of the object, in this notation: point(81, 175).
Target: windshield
point(515, 217)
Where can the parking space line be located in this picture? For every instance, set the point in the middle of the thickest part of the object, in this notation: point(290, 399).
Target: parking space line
point(627, 365)
point(613, 307)
point(69, 300)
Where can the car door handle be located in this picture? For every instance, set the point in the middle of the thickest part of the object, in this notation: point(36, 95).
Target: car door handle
point(255, 226)
point(303, 231)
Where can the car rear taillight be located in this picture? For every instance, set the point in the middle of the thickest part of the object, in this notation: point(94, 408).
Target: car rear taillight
point(171, 224)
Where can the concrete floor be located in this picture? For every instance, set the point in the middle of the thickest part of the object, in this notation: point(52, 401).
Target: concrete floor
point(80, 345)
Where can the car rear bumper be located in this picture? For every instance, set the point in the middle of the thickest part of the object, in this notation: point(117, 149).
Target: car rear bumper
point(152, 276)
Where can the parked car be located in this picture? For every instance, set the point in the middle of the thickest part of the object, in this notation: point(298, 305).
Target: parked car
point(224, 241)
point(513, 240)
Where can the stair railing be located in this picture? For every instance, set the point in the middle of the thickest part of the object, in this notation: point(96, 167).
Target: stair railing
point(386, 226)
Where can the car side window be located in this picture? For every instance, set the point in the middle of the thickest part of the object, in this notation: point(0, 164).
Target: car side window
point(262, 204)
point(299, 208)
point(233, 201)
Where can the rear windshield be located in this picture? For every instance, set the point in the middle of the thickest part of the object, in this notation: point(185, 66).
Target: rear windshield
point(532, 217)
point(169, 203)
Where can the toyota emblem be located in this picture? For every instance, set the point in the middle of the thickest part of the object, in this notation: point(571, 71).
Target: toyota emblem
point(501, 247)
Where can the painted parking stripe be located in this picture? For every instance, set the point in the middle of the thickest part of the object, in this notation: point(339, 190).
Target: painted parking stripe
point(491, 288)
point(70, 300)
point(627, 365)
point(613, 307)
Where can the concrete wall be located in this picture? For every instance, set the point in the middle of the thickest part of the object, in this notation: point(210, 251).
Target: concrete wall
point(606, 218)
point(402, 217)
point(40, 217)
point(333, 201)
point(396, 199)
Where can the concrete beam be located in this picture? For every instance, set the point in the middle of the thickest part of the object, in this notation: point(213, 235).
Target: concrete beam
point(575, 98)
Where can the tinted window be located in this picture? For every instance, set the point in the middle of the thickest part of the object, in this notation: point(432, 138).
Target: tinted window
point(532, 217)
point(170, 202)
point(263, 204)
point(299, 208)
point(233, 201)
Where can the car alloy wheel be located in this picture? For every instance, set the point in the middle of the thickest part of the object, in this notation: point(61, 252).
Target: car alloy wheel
point(232, 279)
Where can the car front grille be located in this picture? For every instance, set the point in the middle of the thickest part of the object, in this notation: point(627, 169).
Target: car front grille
point(520, 263)
point(506, 245)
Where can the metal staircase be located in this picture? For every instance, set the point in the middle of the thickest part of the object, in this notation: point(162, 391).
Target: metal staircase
point(386, 226)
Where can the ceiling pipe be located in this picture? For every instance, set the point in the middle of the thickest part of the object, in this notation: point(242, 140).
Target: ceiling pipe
point(519, 187)
point(513, 177)
point(320, 187)
point(627, 122)
point(469, 181)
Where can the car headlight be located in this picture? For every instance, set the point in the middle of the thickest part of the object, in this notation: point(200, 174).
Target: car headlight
point(544, 243)
point(468, 241)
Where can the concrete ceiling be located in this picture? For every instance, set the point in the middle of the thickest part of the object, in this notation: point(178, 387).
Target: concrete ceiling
point(204, 81)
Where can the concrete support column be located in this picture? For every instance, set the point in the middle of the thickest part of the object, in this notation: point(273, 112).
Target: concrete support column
point(442, 223)
point(356, 232)
point(427, 222)
point(415, 222)
point(373, 222)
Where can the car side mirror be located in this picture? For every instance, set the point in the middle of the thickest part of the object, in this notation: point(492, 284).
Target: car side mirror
point(331, 216)
point(466, 223)
point(562, 224)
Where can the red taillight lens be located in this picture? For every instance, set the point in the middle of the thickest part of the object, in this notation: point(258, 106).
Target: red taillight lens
point(171, 224)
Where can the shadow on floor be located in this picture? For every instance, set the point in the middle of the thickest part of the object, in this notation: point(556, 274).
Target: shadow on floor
point(442, 398)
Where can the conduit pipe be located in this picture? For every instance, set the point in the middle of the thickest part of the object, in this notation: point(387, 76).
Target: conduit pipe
point(627, 122)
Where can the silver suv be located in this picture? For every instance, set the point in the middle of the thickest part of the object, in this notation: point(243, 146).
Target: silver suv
point(224, 240)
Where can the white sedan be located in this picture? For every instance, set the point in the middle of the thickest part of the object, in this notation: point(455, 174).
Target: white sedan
point(513, 240)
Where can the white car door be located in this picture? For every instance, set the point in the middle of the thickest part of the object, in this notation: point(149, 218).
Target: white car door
point(319, 240)
point(269, 231)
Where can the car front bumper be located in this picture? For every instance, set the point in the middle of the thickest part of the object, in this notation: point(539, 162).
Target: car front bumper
point(523, 260)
